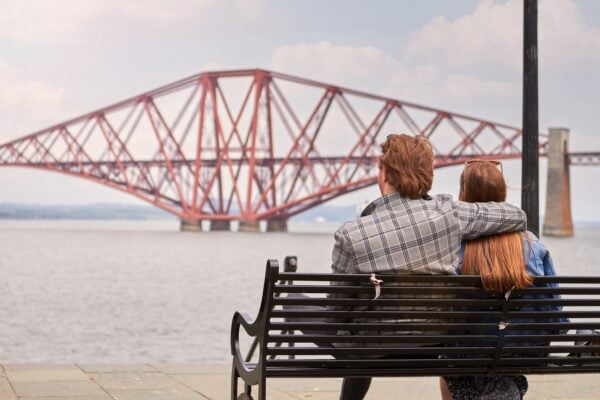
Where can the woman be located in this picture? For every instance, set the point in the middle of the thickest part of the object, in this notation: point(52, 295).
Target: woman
point(504, 261)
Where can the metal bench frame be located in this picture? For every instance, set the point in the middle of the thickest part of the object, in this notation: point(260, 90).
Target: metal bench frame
point(486, 348)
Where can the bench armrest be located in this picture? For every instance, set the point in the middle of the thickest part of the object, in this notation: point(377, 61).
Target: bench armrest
point(248, 372)
point(242, 319)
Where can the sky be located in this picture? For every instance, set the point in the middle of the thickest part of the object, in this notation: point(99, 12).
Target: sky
point(60, 59)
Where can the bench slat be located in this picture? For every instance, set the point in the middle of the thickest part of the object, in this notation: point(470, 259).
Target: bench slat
point(475, 280)
point(380, 338)
point(421, 372)
point(388, 314)
point(381, 362)
point(552, 314)
point(428, 350)
point(419, 290)
point(382, 327)
point(360, 372)
point(513, 362)
point(552, 325)
point(423, 290)
point(433, 326)
point(550, 338)
point(446, 303)
point(378, 351)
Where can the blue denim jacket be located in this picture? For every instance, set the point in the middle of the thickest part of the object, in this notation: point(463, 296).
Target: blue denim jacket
point(539, 263)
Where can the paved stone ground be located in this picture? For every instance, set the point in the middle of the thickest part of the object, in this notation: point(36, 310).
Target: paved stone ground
point(202, 382)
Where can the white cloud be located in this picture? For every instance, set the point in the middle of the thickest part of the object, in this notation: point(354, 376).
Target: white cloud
point(492, 32)
point(51, 20)
point(364, 66)
point(25, 101)
point(491, 37)
point(565, 38)
point(471, 64)
point(373, 70)
point(430, 83)
point(30, 20)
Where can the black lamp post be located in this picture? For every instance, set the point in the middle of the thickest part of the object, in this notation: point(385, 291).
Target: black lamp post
point(530, 148)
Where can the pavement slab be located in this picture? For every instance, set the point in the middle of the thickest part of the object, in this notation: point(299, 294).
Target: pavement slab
point(46, 375)
point(105, 368)
point(177, 369)
point(210, 386)
point(20, 367)
point(105, 397)
point(58, 388)
point(178, 392)
point(6, 391)
point(133, 380)
point(212, 382)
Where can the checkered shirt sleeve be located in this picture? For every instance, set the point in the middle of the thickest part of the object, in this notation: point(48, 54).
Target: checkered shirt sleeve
point(342, 256)
point(480, 219)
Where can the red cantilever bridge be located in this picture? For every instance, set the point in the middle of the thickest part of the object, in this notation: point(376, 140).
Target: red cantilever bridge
point(251, 145)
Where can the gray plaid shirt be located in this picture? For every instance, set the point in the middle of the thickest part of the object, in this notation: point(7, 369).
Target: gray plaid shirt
point(398, 236)
point(395, 235)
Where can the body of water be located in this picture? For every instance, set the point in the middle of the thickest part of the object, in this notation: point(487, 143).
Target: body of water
point(141, 291)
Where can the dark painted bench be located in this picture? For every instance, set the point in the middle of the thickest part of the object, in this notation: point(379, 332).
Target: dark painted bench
point(455, 328)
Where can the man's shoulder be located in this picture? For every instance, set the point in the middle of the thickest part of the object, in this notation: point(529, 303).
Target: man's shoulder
point(360, 228)
point(346, 226)
point(354, 225)
point(396, 208)
point(396, 212)
point(443, 198)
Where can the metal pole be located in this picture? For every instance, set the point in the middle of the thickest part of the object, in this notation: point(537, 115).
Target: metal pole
point(530, 163)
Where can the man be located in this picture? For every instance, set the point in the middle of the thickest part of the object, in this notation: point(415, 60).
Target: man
point(406, 231)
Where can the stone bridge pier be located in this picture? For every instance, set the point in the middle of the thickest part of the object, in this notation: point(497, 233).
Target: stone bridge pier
point(275, 225)
point(557, 218)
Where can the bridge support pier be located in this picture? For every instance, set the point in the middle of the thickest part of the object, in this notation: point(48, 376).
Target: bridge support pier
point(220, 225)
point(557, 219)
point(190, 225)
point(277, 225)
point(249, 226)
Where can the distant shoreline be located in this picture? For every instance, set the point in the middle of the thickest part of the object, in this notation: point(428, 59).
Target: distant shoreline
point(100, 211)
point(115, 211)
point(110, 211)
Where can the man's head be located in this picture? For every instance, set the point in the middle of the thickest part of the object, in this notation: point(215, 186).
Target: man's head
point(406, 166)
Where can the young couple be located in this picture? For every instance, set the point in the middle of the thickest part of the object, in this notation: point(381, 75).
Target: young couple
point(407, 231)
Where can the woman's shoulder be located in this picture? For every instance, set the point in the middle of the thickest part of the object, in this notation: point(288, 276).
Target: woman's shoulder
point(531, 241)
point(535, 255)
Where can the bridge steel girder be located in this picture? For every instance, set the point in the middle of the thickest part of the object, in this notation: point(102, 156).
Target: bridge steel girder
point(584, 159)
point(250, 145)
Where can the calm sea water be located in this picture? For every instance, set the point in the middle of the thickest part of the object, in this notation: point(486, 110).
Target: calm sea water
point(125, 291)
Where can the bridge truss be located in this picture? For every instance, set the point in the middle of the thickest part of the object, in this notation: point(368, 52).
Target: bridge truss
point(584, 158)
point(248, 145)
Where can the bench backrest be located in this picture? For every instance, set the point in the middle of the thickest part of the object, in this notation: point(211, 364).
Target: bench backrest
point(426, 325)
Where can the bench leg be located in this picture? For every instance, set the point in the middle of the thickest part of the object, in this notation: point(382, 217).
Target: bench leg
point(262, 389)
point(234, 382)
point(247, 395)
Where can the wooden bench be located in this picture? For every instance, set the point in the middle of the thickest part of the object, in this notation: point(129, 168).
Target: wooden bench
point(454, 328)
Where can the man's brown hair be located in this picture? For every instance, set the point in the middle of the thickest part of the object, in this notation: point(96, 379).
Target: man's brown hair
point(408, 163)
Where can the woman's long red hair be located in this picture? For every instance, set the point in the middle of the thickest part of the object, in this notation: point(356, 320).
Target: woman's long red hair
point(499, 259)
